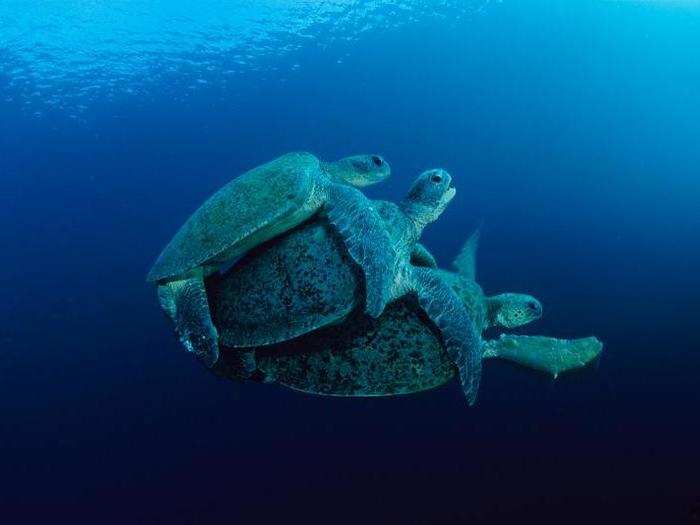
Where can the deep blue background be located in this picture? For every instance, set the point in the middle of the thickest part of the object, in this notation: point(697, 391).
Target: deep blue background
point(572, 130)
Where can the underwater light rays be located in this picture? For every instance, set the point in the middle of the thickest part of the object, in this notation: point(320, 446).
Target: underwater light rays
point(66, 54)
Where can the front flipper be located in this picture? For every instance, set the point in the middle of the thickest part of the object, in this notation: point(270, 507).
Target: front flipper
point(185, 301)
point(422, 257)
point(368, 242)
point(459, 334)
point(544, 353)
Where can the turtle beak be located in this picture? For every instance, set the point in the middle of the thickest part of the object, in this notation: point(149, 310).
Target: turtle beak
point(451, 190)
point(536, 308)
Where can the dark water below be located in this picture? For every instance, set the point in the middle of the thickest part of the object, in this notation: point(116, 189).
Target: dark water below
point(571, 129)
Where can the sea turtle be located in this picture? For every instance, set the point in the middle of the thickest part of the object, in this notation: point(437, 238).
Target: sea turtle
point(255, 207)
point(337, 367)
point(299, 283)
point(402, 352)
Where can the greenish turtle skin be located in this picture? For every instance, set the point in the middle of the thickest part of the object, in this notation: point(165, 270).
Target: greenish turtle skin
point(402, 352)
point(255, 207)
point(292, 286)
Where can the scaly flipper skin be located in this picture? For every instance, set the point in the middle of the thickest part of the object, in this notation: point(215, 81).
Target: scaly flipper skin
point(544, 353)
point(186, 302)
point(422, 257)
point(460, 336)
point(367, 241)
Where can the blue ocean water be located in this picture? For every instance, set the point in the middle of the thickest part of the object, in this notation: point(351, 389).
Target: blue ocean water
point(571, 129)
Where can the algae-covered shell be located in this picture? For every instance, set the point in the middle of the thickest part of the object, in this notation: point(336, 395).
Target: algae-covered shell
point(293, 284)
point(300, 281)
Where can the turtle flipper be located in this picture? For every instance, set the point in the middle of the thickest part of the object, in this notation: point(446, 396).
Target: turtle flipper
point(465, 263)
point(459, 334)
point(367, 241)
point(547, 354)
point(185, 301)
point(422, 257)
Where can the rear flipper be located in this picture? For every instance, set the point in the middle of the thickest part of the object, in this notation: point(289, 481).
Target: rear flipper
point(546, 354)
point(185, 301)
point(422, 257)
point(465, 263)
point(367, 241)
point(459, 334)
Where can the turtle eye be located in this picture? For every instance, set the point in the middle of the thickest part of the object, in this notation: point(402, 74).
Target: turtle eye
point(532, 305)
point(377, 161)
point(436, 178)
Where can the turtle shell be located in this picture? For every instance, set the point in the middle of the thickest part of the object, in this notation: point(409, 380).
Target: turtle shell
point(399, 353)
point(250, 209)
point(293, 284)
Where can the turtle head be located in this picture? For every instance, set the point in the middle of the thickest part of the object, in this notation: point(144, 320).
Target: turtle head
point(510, 310)
point(428, 197)
point(359, 170)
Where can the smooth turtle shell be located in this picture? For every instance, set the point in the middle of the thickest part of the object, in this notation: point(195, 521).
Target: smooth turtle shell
point(250, 209)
